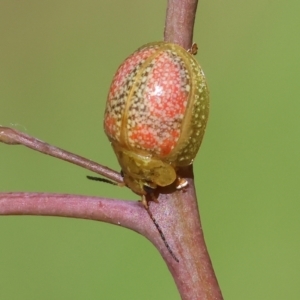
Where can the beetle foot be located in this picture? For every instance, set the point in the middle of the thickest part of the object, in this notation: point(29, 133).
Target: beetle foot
point(194, 49)
point(146, 201)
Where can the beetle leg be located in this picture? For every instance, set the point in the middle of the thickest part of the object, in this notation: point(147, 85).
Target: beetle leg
point(194, 49)
point(144, 202)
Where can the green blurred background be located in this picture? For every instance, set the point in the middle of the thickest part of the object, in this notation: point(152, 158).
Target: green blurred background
point(57, 59)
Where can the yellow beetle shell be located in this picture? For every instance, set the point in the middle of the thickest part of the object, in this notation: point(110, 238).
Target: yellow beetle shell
point(156, 114)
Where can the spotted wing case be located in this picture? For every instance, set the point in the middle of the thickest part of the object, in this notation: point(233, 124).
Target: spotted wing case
point(156, 114)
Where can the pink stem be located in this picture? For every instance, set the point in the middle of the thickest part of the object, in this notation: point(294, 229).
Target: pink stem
point(196, 280)
point(13, 137)
point(180, 19)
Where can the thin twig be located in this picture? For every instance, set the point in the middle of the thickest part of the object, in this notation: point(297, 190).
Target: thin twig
point(13, 137)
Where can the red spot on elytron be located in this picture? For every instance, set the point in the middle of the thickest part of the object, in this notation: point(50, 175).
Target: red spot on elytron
point(166, 98)
point(168, 144)
point(147, 139)
point(143, 136)
point(110, 125)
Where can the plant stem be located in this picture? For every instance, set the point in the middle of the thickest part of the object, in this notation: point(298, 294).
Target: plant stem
point(13, 137)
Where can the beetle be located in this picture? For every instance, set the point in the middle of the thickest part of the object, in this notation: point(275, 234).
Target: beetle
point(156, 114)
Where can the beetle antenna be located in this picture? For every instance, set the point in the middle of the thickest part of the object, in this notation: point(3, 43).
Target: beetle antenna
point(161, 234)
point(101, 179)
